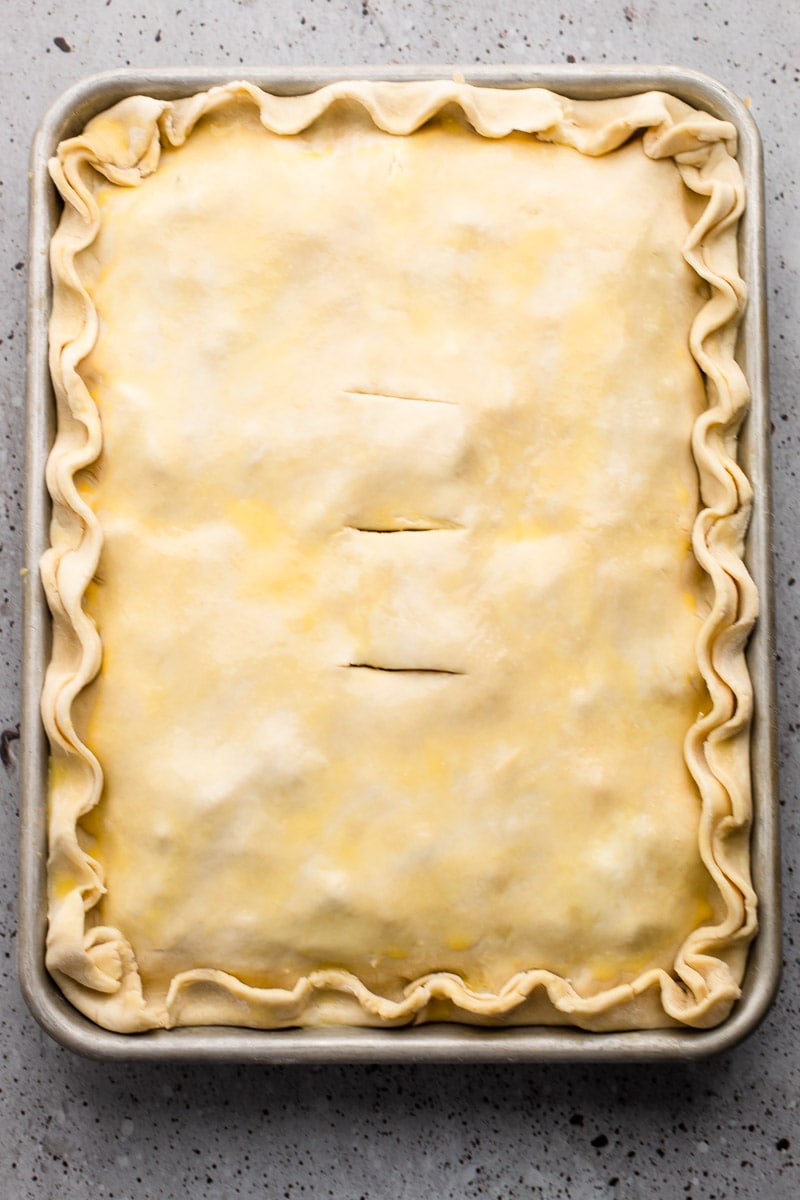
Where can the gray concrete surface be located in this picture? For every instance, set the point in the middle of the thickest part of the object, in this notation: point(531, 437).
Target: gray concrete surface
point(729, 1127)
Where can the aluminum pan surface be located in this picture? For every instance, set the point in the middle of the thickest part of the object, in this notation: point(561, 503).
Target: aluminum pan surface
point(428, 1043)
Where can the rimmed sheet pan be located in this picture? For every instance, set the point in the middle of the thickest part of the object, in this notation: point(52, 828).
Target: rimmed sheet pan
point(430, 1043)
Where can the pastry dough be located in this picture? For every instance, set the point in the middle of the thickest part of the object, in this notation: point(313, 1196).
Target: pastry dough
point(396, 571)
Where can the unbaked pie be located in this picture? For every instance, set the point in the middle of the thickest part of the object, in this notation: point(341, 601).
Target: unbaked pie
point(396, 572)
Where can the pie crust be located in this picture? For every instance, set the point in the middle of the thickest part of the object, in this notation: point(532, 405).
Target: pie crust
point(399, 608)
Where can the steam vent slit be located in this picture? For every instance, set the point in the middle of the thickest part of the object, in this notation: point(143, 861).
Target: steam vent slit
point(402, 670)
point(392, 396)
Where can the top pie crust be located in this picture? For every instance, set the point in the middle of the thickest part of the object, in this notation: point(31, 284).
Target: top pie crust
point(396, 571)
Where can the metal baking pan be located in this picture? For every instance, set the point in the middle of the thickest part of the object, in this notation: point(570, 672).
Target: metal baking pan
point(428, 1043)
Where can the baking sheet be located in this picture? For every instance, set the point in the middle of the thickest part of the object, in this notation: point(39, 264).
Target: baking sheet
point(427, 1043)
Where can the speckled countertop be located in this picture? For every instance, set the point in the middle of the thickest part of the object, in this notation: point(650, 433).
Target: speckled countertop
point(729, 1127)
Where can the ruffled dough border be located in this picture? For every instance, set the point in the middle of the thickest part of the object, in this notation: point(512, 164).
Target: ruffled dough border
point(95, 965)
